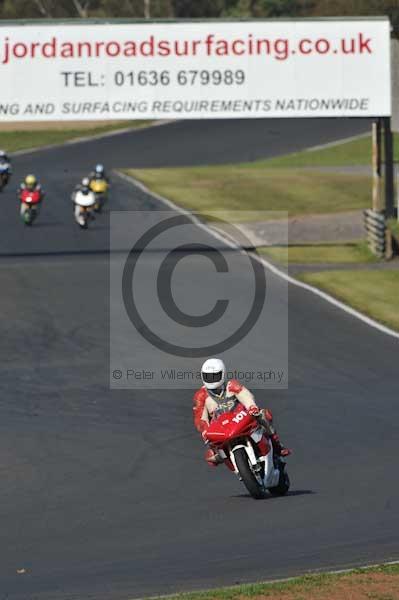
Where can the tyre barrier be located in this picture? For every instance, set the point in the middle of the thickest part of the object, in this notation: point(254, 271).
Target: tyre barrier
point(376, 231)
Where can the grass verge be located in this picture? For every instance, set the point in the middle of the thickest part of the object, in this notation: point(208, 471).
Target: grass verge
point(378, 583)
point(354, 153)
point(356, 253)
point(231, 188)
point(374, 293)
point(393, 225)
point(11, 141)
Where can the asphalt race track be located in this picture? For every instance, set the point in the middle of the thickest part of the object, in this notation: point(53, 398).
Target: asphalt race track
point(91, 507)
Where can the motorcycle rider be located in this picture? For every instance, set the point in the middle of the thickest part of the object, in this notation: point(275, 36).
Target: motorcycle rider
point(31, 184)
point(98, 173)
point(99, 176)
point(218, 393)
point(84, 188)
point(5, 160)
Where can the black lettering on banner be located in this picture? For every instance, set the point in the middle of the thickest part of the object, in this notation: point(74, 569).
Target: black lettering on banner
point(10, 109)
point(321, 104)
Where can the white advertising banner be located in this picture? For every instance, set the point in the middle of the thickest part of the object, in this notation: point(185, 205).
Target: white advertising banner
point(319, 68)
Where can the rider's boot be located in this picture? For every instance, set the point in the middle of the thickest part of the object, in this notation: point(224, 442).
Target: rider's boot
point(213, 458)
point(278, 447)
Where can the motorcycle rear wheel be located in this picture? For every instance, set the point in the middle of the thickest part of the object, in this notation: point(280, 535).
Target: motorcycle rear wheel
point(284, 483)
point(253, 486)
point(99, 204)
point(28, 218)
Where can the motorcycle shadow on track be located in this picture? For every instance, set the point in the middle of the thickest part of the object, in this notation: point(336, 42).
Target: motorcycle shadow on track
point(290, 493)
point(96, 227)
point(45, 224)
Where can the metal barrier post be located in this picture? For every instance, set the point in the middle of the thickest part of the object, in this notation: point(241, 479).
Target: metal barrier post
point(389, 176)
point(376, 165)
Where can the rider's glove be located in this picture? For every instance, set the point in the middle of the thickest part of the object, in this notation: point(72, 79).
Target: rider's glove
point(254, 411)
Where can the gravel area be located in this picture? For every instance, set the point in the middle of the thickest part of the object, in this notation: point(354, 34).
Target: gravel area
point(339, 227)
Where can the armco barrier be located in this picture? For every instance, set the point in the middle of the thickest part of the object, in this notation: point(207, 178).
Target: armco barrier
point(376, 228)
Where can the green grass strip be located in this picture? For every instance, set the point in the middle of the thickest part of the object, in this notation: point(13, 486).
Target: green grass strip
point(232, 188)
point(374, 293)
point(353, 153)
point(11, 141)
point(393, 225)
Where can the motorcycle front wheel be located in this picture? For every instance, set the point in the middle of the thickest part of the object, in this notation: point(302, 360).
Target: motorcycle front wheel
point(28, 218)
point(254, 487)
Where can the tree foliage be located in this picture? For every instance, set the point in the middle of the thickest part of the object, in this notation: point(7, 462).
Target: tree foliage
point(31, 9)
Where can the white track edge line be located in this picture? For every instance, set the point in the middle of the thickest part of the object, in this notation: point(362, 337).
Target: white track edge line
point(352, 138)
point(327, 297)
point(282, 580)
point(90, 138)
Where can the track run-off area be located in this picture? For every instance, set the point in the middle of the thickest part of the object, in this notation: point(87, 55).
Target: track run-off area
point(105, 494)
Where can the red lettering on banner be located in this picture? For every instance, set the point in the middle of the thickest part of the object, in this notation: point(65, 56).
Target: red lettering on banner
point(211, 45)
point(234, 45)
point(24, 49)
point(147, 48)
point(117, 49)
point(364, 45)
point(49, 49)
point(67, 50)
point(164, 48)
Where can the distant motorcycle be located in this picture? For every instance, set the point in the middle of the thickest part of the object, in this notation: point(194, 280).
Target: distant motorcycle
point(100, 189)
point(5, 174)
point(236, 435)
point(85, 203)
point(30, 203)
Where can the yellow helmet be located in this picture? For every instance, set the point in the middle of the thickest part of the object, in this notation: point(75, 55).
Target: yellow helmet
point(30, 181)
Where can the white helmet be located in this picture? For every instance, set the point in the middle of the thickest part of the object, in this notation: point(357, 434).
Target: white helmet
point(213, 373)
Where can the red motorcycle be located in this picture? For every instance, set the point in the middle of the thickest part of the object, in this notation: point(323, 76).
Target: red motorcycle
point(239, 438)
point(30, 202)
